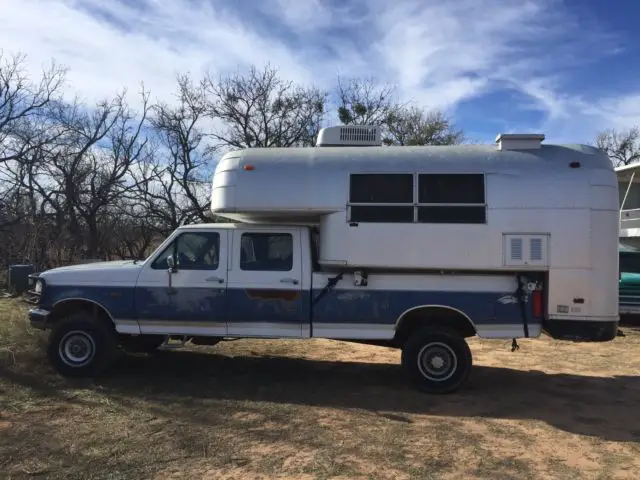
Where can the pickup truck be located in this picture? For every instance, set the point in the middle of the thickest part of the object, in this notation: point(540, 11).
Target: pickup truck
point(629, 285)
point(209, 282)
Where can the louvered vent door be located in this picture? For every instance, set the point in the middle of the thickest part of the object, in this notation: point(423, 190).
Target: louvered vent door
point(526, 250)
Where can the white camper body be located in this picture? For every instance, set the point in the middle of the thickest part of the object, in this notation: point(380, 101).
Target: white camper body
point(516, 207)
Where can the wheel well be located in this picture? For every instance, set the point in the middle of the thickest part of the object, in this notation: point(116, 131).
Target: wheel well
point(436, 315)
point(67, 307)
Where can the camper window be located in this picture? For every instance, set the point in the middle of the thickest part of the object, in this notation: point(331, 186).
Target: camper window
point(451, 198)
point(442, 198)
point(381, 188)
point(443, 188)
point(376, 197)
point(381, 213)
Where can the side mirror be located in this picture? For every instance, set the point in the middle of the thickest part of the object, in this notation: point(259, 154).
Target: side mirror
point(171, 263)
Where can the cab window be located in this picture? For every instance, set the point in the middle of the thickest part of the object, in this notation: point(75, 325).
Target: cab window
point(192, 251)
point(266, 252)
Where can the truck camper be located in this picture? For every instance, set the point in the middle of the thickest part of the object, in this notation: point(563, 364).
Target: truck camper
point(412, 247)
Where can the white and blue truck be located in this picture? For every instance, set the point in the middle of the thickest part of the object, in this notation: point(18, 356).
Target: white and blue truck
point(413, 247)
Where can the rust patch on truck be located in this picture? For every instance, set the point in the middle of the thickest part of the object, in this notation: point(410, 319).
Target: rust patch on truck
point(269, 294)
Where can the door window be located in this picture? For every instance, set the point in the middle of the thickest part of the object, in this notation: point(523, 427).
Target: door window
point(192, 251)
point(270, 252)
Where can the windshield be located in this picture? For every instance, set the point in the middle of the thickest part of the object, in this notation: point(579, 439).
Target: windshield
point(630, 262)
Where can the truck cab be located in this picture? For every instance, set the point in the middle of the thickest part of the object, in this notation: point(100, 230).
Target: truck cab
point(223, 279)
point(211, 280)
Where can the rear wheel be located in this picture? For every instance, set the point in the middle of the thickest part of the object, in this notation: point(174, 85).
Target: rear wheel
point(81, 345)
point(437, 359)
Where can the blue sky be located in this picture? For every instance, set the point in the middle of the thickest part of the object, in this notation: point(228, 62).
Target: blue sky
point(566, 68)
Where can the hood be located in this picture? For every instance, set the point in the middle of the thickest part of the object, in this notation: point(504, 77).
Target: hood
point(629, 279)
point(115, 272)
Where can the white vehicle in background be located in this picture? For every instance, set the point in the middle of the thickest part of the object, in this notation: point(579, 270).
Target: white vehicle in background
point(417, 248)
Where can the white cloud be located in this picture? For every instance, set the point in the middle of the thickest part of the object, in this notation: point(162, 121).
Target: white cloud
point(172, 37)
point(300, 15)
point(438, 53)
point(580, 120)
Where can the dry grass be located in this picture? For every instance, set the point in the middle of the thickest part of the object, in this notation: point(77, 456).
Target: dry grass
point(320, 409)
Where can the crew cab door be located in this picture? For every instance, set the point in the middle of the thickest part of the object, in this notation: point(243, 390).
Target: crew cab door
point(189, 299)
point(266, 293)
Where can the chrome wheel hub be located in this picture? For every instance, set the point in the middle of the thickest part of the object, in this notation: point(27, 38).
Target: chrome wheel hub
point(437, 361)
point(77, 348)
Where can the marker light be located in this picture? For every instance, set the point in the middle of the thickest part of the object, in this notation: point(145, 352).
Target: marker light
point(248, 167)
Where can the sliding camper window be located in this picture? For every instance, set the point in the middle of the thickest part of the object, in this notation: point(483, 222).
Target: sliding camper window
point(441, 198)
point(376, 197)
point(451, 198)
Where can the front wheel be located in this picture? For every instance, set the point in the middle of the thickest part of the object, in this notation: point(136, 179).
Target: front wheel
point(437, 360)
point(81, 345)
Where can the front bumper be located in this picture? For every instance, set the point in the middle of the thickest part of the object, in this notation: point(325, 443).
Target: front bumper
point(38, 318)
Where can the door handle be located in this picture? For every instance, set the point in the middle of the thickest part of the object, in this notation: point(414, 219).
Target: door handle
point(214, 279)
point(289, 280)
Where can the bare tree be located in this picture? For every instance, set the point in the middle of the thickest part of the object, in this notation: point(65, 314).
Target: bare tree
point(362, 101)
point(623, 148)
point(179, 181)
point(414, 126)
point(23, 128)
point(109, 180)
point(263, 110)
point(82, 173)
point(22, 104)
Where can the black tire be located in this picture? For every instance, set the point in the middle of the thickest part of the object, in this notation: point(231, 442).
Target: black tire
point(91, 340)
point(142, 343)
point(450, 355)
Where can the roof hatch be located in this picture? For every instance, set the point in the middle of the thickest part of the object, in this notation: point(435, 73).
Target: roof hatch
point(519, 141)
point(350, 135)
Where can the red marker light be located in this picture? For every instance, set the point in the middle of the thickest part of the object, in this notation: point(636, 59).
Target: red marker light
point(248, 167)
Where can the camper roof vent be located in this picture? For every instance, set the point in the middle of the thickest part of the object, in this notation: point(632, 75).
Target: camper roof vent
point(519, 141)
point(350, 135)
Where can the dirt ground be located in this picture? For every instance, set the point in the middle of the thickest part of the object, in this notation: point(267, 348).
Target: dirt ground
point(320, 409)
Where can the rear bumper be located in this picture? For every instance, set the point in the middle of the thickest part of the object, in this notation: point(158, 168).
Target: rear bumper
point(629, 309)
point(38, 318)
point(582, 330)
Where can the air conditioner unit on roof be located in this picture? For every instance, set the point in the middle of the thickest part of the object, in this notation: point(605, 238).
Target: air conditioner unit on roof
point(350, 135)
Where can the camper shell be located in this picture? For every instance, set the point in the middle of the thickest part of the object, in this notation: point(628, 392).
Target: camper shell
point(517, 206)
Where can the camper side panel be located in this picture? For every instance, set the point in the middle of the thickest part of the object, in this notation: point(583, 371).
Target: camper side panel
point(591, 292)
point(551, 209)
